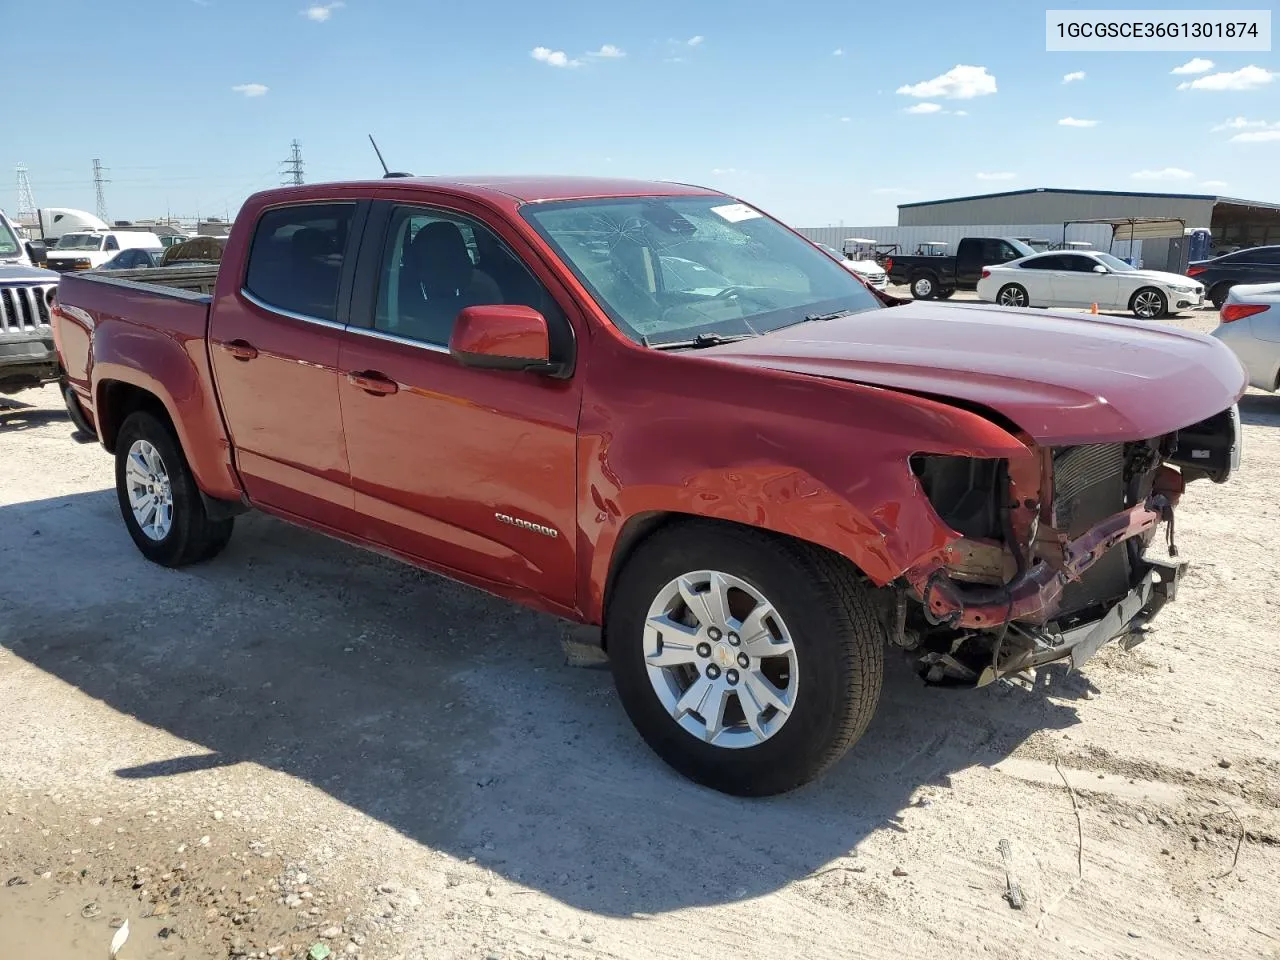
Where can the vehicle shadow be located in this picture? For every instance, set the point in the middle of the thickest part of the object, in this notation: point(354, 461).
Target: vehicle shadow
point(448, 715)
point(1260, 410)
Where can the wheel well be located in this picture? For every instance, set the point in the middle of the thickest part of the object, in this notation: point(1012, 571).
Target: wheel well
point(116, 401)
point(642, 526)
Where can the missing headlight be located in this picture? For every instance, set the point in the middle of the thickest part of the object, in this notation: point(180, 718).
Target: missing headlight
point(964, 491)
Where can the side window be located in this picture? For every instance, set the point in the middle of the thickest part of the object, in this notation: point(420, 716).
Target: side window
point(1267, 255)
point(1006, 253)
point(1044, 263)
point(112, 244)
point(436, 263)
point(295, 262)
point(1079, 264)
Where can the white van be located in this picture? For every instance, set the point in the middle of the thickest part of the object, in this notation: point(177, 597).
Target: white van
point(84, 251)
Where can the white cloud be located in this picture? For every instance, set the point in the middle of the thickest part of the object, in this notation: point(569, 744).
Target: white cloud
point(838, 52)
point(1073, 76)
point(997, 176)
point(1240, 123)
point(695, 41)
point(1167, 173)
point(553, 58)
point(961, 113)
point(892, 191)
point(845, 119)
point(1194, 65)
point(607, 52)
point(959, 83)
point(1073, 122)
point(723, 171)
point(1246, 78)
point(250, 89)
point(320, 12)
point(1257, 136)
point(1214, 184)
point(924, 108)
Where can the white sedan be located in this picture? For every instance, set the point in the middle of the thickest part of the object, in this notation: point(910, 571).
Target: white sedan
point(1250, 326)
point(1081, 279)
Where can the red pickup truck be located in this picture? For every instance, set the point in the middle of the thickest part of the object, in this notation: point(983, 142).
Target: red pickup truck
point(655, 409)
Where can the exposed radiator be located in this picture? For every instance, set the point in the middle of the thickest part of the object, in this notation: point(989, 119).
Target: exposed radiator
point(1088, 486)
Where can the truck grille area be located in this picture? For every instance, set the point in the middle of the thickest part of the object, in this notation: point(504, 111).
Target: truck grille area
point(1088, 487)
point(24, 309)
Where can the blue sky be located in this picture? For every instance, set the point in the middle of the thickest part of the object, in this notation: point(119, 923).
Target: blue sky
point(192, 104)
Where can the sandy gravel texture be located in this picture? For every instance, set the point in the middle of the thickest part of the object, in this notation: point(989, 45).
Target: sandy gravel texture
point(304, 744)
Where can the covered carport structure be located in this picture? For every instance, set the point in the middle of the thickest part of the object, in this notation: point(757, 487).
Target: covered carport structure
point(1235, 224)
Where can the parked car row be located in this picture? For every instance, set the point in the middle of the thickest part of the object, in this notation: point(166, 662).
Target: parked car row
point(618, 402)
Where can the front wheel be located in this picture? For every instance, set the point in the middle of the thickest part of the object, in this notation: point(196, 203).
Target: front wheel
point(158, 496)
point(1013, 295)
point(946, 293)
point(749, 664)
point(1149, 304)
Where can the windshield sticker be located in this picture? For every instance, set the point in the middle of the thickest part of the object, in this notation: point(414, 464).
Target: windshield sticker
point(736, 212)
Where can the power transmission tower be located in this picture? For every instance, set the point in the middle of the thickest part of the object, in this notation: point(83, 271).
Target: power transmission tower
point(26, 202)
point(292, 168)
point(99, 179)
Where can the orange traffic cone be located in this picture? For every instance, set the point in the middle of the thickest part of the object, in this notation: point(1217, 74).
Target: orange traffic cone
point(1094, 308)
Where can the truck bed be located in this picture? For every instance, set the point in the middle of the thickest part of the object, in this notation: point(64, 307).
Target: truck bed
point(197, 278)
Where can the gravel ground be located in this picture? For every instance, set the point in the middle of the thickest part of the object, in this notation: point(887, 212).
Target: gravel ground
point(304, 747)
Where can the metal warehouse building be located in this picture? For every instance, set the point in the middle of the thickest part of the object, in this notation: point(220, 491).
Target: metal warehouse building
point(1232, 222)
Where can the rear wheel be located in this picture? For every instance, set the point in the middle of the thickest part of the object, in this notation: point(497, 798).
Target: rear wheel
point(158, 496)
point(1149, 304)
point(1013, 295)
point(924, 286)
point(750, 664)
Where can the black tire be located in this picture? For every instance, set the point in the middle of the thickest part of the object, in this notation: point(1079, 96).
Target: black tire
point(946, 293)
point(1160, 308)
point(79, 419)
point(838, 640)
point(1218, 295)
point(1013, 295)
point(191, 537)
point(924, 286)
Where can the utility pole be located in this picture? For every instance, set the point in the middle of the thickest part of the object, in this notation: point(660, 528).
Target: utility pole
point(26, 202)
point(99, 180)
point(292, 168)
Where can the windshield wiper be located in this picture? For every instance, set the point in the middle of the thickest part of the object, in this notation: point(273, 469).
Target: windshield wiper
point(701, 340)
point(833, 315)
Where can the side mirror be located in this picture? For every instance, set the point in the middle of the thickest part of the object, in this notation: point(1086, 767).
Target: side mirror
point(503, 337)
point(1099, 268)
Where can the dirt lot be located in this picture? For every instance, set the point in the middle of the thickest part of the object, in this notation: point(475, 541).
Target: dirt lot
point(302, 744)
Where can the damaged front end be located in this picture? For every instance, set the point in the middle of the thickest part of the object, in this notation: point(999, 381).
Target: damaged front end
point(1049, 558)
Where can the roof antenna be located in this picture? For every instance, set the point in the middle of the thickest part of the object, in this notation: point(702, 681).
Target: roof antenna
point(385, 172)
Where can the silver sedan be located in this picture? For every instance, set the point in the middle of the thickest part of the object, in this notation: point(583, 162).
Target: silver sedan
point(1249, 323)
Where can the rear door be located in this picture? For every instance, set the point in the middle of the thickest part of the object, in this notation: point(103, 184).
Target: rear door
point(470, 470)
point(274, 346)
point(1037, 276)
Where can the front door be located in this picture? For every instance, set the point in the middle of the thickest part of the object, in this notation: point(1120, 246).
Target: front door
point(469, 470)
point(1077, 284)
point(274, 345)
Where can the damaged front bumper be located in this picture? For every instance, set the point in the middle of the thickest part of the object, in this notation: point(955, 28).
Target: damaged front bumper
point(950, 603)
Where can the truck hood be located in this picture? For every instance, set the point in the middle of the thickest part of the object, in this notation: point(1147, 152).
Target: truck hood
point(1062, 378)
point(17, 273)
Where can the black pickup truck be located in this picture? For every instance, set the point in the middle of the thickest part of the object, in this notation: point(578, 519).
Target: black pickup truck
point(941, 276)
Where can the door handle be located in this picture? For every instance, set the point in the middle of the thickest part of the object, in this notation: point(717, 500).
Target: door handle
point(240, 349)
point(372, 382)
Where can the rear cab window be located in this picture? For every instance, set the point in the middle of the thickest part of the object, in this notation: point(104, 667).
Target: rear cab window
point(296, 258)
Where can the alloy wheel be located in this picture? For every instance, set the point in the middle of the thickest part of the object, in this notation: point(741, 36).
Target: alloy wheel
point(150, 490)
point(720, 659)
